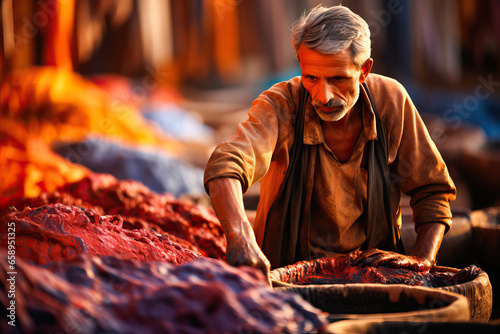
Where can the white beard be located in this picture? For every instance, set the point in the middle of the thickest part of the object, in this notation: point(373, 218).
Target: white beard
point(339, 112)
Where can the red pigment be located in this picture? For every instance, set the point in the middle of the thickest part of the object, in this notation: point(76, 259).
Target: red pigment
point(140, 208)
point(56, 232)
point(340, 271)
point(90, 294)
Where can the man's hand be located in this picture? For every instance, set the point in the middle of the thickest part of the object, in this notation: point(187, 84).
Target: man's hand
point(422, 257)
point(376, 257)
point(242, 250)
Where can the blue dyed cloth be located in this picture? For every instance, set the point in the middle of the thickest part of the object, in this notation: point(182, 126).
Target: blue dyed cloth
point(179, 123)
point(156, 170)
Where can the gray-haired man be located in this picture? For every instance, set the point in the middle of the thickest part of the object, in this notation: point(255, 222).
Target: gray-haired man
point(333, 149)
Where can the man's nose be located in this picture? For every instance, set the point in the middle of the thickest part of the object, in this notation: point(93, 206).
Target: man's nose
point(325, 93)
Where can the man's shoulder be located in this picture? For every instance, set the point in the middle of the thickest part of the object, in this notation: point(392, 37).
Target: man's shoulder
point(283, 95)
point(391, 101)
point(388, 95)
point(382, 84)
point(292, 85)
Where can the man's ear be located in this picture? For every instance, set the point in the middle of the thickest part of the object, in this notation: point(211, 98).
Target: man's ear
point(365, 70)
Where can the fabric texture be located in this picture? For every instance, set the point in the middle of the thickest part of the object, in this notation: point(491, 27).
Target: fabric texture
point(259, 151)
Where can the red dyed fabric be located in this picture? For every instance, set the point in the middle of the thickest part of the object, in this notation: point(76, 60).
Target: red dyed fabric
point(90, 294)
point(140, 208)
point(340, 271)
point(57, 232)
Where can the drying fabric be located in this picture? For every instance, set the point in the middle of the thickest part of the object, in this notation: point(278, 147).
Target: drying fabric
point(58, 232)
point(140, 208)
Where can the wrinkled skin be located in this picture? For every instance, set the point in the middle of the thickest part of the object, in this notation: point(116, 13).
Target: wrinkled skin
point(376, 257)
point(242, 248)
point(333, 80)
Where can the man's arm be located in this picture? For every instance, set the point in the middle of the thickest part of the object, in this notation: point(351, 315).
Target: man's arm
point(242, 248)
point(418, 170)
point(429, 237)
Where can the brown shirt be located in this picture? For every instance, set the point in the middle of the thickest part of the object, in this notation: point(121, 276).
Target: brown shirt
point(259, 152)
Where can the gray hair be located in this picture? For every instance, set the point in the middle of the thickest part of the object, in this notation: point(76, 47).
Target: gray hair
point(331, 30)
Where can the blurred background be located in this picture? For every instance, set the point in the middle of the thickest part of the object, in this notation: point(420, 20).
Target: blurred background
point(146, 89)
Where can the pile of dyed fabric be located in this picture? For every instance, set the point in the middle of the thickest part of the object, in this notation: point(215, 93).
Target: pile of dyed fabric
point(341, 271)
point(79, 270)
point(58, 232)
point(91, 294)
point(139, 207)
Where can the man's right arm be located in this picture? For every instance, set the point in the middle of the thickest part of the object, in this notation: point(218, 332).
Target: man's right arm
point(242, 248)
point(245, 159)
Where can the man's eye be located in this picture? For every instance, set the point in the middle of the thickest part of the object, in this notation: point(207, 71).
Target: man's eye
point(310, 78)
point(339, 79)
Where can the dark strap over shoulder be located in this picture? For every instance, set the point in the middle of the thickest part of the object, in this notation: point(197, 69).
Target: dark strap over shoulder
point(284, 219)
point(377, 191)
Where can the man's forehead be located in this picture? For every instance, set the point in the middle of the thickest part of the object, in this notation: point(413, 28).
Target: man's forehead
point(311, 59)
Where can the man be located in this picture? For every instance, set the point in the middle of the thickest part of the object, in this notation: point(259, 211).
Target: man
point(316, 150)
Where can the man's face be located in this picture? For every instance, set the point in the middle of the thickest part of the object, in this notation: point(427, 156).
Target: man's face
point(332, 80)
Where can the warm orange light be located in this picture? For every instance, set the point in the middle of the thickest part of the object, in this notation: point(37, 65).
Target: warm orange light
point(42, 106)
point(28, 164)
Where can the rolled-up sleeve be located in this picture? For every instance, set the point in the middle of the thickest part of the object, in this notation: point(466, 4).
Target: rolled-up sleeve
point(247, 155)
point(420, 172)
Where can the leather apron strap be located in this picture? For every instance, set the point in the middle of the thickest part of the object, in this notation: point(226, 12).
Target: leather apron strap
point(283, 223)
point(378, 236)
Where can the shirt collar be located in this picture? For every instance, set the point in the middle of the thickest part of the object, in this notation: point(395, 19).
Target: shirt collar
point(313, 133)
